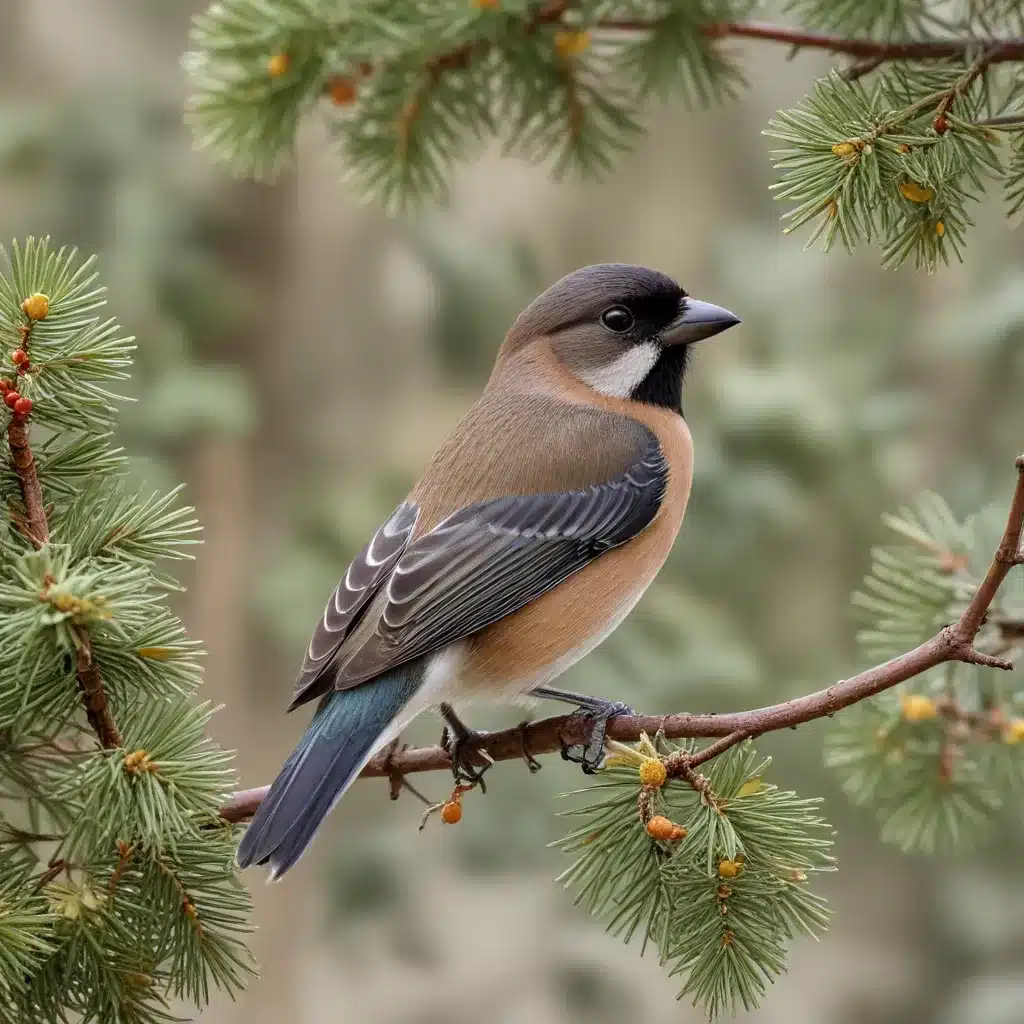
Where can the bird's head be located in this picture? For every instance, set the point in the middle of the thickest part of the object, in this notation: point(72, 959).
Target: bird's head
point(623, 330)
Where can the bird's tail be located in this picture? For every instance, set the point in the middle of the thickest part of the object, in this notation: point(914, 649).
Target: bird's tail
point(339, 741)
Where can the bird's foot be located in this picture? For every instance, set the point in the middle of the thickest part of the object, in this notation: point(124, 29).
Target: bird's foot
point(464, 746)
point(599, 711)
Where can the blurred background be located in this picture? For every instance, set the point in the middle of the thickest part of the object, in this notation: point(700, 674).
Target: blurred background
point(301, 356)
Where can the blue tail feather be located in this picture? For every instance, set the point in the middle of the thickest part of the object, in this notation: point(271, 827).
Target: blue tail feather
point(330, 754)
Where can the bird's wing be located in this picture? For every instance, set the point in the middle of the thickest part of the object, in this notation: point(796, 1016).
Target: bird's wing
point(361, 582)
point(492, 557)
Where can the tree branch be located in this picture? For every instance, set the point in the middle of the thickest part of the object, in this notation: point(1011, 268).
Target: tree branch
point(870, 52)
point(34, 525)
point(37, 531)
point(954, 642)
point(94, 697)
point(866, 49)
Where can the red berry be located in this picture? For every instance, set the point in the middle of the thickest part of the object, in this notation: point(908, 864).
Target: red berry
point(23, 406)
point(5, 385)
point(10, 398)
point(19, 356)
point(940, 124)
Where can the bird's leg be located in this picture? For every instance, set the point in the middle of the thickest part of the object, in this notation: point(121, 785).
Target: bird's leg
point(462, 743)
point(599, 710)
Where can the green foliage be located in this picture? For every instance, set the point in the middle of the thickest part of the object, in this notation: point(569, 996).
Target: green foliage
point(722, 927)
point(866, 163)
point(942, 760)
point(117, 891)
point(411, 91)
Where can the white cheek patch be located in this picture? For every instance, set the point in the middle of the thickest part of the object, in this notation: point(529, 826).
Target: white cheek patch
point(624, 373)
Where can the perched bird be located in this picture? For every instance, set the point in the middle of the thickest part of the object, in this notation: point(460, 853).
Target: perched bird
point(534, 531)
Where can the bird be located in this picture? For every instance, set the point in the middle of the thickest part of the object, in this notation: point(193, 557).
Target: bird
point(534, 530)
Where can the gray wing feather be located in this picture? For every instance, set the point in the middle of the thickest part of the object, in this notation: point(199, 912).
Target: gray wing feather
point(491, 558)
point(368, 571)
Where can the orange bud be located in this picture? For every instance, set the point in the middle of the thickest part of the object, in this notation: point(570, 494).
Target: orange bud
point(278, 65)
point(660, 828)
point(36, 307)
point(342, 91)
point(729, 868)
point(1014, 731)
point(451, 813)
point(916, 193)
point(918, 708)
point(571, 44)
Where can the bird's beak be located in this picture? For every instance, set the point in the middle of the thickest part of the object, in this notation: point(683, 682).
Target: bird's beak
point(696, 321)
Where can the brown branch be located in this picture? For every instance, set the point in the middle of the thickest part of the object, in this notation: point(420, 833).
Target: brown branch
point(94, 697)
point(954, 642)
point(870, 52)
point(933, 49)
point(34, 523)
point(37, 530)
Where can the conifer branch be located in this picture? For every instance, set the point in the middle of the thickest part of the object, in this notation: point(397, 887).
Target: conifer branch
point(37, 531)
point(94, 697)
point(90, 682)
point(953, 643)
point(34, 524)
point(1011, 49)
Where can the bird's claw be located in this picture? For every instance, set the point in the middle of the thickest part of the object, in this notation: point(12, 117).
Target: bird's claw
point(462, 748)
point(591, 756)
point(531, 762)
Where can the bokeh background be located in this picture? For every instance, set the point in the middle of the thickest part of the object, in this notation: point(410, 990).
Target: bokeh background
point(301, 355)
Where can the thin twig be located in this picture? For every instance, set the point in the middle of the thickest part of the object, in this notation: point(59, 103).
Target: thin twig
point(35, 524)
point(932, 49)
point(953, 643)
point(94, 697)
point(37, 530)
point(871, 52)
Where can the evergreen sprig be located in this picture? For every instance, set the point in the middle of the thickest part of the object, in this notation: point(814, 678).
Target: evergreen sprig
point(721, 901)
point(117, 897)
point(410, 90)
point(939, 759)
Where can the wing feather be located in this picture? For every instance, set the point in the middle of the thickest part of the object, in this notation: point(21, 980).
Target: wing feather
point(491, 558)
point(363, 578)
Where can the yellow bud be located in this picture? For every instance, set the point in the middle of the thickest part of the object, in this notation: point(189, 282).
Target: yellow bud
point(916, 193)
point(138, 762)
point(278, 65)
point(652, 773)
point(918, 708)
point(844, 149)
point(571, 44)
point(486, 5)
point(1013, 731)
point(729, 868)
point(155, 653)
point(36, 307)
point(940, 228)
point(750, 787)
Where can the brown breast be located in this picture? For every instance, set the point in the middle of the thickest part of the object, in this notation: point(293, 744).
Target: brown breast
point(564, 622)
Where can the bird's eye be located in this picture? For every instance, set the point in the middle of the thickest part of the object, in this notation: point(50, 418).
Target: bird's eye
point(617, 319)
